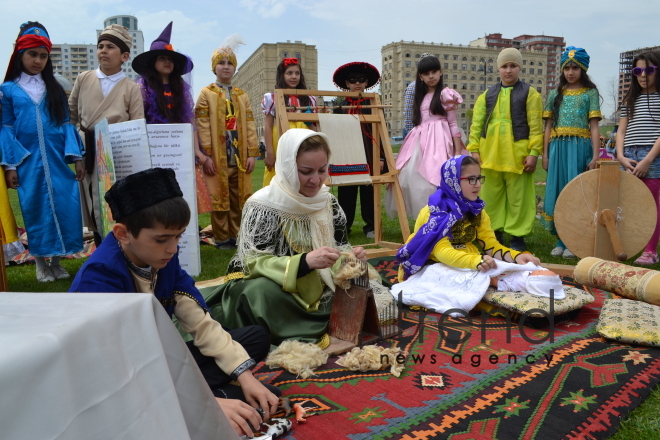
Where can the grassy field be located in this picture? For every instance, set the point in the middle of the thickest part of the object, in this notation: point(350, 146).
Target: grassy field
point(643, 423)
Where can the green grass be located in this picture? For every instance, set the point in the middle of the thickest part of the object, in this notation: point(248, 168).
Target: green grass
point(642, 423)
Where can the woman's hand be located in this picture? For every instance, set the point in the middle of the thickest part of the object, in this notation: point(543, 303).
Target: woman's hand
point(642, 168)
point(527, 258)
point(487, 263)
point(360, 253)
point(627, 164)
point(80, 170)
point(257, 395)
point(239, 413)
point(322, 258)
point(11, 178)
point(269, 161)
point(208, 166)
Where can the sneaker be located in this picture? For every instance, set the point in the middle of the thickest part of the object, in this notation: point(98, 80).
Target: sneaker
point(59, 272)
point(226, 245)
point(568, 254)
point(370, 234)
point(558, 251)
point(517, 243)
point(647, 259)
point(44, 275)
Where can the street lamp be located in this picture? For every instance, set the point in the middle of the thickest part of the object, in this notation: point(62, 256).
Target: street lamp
point(485, 67)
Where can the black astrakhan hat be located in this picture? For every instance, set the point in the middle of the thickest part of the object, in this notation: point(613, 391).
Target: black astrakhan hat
point(142, 190)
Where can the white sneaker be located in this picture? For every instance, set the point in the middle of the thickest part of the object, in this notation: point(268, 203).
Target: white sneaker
point(557, 251)
point(370, 234)
point(59, 272)
point(44, 275)
point(568, 254)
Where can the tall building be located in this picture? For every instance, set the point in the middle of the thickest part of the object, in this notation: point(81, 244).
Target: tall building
point(470, 70)
point(70, 60)
point(256, 75)
point(554, 46)
point(625, 69)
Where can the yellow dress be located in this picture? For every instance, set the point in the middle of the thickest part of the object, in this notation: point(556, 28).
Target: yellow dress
point(10, 242)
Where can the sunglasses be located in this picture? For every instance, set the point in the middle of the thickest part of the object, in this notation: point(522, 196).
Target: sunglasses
point(650, 70)
point(472, 180)
point(357, 79)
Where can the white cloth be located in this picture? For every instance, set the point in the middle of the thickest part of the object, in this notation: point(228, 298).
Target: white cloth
point(347, 146)
point(441, 288)
point(33, 85)
point(108, 82)
point(99, 366)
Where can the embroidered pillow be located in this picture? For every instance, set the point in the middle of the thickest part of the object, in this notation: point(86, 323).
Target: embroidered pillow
point(630, 321)
point(520, 302)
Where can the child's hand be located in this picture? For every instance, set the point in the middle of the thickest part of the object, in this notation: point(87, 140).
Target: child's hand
point(270, 159)
point(487, 263)
point(477, 156)
point(592, 164)
point(11, 177)
point(642, 168)
point(627, 164)
point(208, 166)
point(257, 395)
point(544, 162)
point(249, 165)
point(530, 164)
point(527, 258)
point(80, 170)
point(239, 413)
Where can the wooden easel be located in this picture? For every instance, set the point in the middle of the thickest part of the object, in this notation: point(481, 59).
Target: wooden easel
point(379, 132)
point(605, 213)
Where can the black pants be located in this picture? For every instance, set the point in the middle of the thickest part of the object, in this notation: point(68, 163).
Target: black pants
point(347, 196)
point(255, 340)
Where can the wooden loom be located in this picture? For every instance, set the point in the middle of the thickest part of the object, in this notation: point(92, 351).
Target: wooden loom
point(379, 132)
point(605, 213)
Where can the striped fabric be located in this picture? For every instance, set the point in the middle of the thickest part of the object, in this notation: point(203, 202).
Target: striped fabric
point(644, 127)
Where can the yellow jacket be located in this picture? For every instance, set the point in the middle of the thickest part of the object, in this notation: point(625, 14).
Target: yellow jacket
point(498, 150)
point(460, 251)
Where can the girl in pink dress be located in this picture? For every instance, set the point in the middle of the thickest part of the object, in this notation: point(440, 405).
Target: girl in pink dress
point(434, 138)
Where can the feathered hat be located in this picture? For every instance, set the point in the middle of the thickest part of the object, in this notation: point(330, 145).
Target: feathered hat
point(162, 47)
point(227, 50)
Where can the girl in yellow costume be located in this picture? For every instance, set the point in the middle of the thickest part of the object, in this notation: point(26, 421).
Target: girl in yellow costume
point(289, 76)
point(11, 245)
point(228, 136)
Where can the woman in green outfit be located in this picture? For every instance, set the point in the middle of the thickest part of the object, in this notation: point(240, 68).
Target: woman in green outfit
point(291, 236)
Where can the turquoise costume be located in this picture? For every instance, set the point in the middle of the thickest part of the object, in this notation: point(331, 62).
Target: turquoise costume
point(41, 151)
point(570, 148)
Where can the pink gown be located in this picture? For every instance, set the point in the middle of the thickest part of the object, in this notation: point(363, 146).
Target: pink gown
point(424, 150)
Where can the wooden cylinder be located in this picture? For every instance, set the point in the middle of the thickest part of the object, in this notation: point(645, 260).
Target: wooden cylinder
point(628, 281)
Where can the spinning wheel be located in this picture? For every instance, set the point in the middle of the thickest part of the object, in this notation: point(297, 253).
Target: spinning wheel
point(605, 213)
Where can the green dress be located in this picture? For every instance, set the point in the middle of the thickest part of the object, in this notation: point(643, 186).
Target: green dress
point(273, 296)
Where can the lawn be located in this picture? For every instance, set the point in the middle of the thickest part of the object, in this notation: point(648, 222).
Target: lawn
point(642, 423)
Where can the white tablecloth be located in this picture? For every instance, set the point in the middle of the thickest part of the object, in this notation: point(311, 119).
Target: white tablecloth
point(99, 366)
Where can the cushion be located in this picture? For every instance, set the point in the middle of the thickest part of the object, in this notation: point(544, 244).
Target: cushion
point(630, 321)
point(521, 302)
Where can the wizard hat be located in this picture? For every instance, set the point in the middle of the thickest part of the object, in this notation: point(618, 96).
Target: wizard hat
point(162, 46)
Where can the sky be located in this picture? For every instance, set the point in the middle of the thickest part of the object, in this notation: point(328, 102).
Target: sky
point(350, 30)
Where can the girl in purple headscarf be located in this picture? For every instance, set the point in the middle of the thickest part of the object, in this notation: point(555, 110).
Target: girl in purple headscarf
point(447, 228)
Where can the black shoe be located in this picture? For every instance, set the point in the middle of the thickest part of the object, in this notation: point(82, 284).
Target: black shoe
point(517, 243)
point(226, 245)
point(499, 236)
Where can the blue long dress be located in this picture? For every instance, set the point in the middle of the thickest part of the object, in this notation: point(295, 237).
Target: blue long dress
point(48, 191)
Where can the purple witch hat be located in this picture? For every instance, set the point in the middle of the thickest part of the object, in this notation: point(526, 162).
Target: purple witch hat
point(162, 46)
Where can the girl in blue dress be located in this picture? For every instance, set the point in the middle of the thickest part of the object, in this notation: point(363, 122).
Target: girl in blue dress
point(37, 143)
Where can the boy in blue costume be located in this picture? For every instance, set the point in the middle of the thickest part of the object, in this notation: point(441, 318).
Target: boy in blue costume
point(141, 255)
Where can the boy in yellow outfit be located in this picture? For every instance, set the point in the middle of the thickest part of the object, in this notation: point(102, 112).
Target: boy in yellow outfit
point(506, 137)
point(228, 137)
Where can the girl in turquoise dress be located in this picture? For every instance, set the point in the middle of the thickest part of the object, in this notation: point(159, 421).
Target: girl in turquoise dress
point(572, 140)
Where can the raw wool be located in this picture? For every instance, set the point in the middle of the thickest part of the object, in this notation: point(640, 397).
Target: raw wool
point(297, 357)
point(369, 358)
point(349, 268)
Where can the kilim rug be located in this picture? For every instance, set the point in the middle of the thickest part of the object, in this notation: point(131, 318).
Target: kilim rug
point(474, 384)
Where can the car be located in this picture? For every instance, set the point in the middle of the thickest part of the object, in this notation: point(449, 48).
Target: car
point(397, 139)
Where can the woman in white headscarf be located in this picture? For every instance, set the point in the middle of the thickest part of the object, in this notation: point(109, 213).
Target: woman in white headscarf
point(291, 236)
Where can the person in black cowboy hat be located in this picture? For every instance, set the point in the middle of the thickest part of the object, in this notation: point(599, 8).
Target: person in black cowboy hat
point(358, 77)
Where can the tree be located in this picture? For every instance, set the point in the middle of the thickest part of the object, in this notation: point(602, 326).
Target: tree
point(612, 92)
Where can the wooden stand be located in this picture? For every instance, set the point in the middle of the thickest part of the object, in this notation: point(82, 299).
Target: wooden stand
point(605, 213)
point(379, 132)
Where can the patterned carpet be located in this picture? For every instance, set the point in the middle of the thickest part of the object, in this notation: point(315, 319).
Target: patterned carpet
point(473, 383)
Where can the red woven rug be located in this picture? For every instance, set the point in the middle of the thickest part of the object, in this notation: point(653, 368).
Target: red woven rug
point(474, 384)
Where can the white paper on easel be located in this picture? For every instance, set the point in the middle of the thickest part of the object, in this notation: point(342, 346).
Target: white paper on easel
point(130, 147)
point(172, 147)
